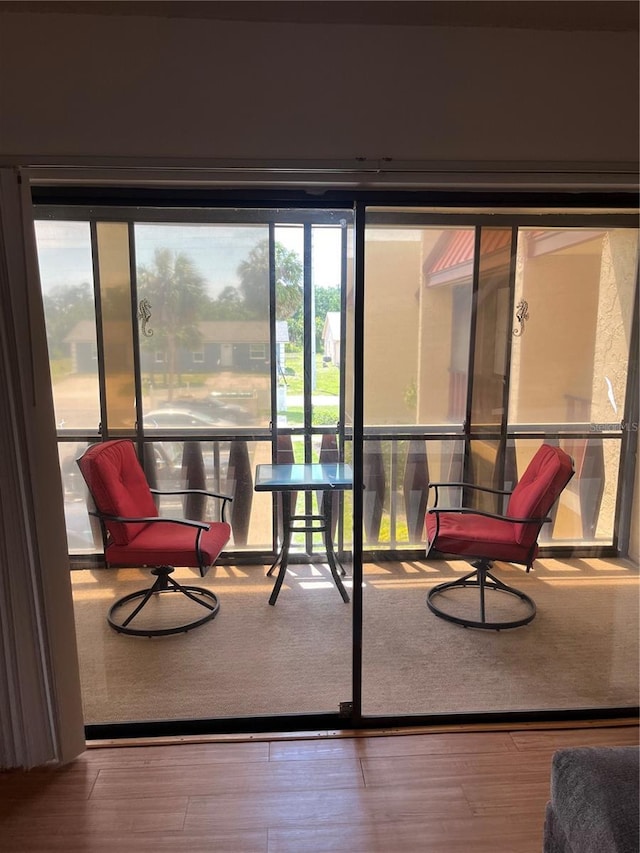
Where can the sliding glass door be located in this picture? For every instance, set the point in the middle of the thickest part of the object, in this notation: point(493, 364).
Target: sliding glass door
point(483, 338)
point(217, 341)
point(222, 338)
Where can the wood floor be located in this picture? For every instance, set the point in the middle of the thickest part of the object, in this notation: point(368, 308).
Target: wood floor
point(453, 792)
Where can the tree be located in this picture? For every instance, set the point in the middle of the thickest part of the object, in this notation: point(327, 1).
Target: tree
point(254, 281)
point(229, 305)
point(326, 299)
point(177, 297)
point(64, 307)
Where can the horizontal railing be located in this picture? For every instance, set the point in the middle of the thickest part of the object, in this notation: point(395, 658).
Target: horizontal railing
point(398, 465)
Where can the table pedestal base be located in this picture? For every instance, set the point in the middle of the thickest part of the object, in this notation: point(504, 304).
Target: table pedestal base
point(310, 524)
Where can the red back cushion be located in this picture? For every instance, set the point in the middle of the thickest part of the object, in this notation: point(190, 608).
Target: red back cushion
point(538, 489)
point(118, 486)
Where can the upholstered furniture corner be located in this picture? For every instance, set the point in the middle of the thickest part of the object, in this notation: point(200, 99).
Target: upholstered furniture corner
point(594, 806)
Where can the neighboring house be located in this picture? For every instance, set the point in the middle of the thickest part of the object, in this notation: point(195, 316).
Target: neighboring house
point(83, 347)
point(238, 345)
point(241, 345)
point(331, 337)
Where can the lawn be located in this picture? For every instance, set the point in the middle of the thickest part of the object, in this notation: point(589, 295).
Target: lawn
point(327, 375)
point(322, 415)
point(327, 384)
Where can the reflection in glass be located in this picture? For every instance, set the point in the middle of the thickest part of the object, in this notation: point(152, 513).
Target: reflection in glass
point(83, 531)
point(585, 513)
point(327, 327)
point(569, 364)
point(485, 468)
point(318, 273)
point(66, 276)
point(492, 323)
point(290, 369)
point(417, 314)
point(224, 467)
point(203, 295)
point(115, 301)
point(396, 476)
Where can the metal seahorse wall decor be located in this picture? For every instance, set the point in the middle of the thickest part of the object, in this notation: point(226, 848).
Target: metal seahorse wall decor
point(144, 315)
point(522, 314)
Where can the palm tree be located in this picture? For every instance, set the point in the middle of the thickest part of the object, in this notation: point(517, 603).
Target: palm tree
point(176, 296)
point(254, 281)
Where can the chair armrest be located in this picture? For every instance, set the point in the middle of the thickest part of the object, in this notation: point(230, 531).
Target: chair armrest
point(466, 486)
point(154, 519)
point(224, 498)
point(191, 492)
point(465, 510)
point(473, 486)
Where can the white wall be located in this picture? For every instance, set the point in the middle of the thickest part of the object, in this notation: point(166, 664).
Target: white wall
point(144, 87)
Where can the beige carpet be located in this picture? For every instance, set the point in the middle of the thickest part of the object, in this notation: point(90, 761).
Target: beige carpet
point(581, 650)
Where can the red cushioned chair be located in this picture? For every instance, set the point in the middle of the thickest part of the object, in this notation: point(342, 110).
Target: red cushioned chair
point(482, 536)
point(134, 534)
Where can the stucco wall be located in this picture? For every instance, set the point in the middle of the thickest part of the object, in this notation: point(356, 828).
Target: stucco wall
point(146, 87)
point(556, 349)
point(391, 318)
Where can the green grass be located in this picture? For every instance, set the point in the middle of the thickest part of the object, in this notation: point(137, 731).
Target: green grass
point(327, 377)
point(322, 415)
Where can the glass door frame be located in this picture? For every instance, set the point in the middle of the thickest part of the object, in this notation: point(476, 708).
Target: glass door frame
point(507, 432)
point(251, 213)
point(362, 202)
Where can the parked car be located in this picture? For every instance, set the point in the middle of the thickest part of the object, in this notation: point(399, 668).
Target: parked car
point(186, 419)
point(213, 406)
point(170, 454)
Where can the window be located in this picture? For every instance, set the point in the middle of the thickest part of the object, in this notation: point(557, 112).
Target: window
point(258, 352)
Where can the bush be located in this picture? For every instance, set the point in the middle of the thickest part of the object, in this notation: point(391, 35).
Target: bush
point(325, 415)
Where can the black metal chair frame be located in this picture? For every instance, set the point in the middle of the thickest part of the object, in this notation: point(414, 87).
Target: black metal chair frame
point(481, 578)
point(164, 583)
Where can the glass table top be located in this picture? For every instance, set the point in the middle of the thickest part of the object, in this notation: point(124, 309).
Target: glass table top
point(316, 475)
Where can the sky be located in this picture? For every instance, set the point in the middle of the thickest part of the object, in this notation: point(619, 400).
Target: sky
point(64, 252)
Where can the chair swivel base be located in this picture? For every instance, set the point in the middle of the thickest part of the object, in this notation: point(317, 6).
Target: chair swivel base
point(483, 580)
point(162, 585)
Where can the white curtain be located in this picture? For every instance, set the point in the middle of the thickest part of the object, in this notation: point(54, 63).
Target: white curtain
point(40, 702)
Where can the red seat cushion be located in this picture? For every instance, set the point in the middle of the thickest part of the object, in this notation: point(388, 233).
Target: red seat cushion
point(118, 485)
point(477, 536)
point(473, 535)
point(163, 543)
